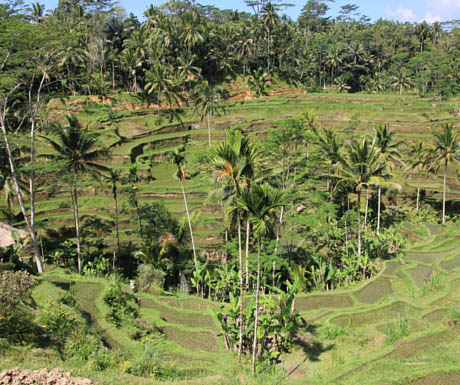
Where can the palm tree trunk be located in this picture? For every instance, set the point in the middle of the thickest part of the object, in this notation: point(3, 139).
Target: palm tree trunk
point(189, 223)
point(209, 131)
point(248, 231)
point(359, 221)
point(378, 210)
point(444, 197)
point(367, 206)
point(254, 345)
point(240, 253)
point(117, 232)
point(19, 195)
point(418, 197)
point(77, 223)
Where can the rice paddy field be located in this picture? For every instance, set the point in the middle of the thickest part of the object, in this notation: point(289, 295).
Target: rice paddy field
point(400, 327)
point(145, 140)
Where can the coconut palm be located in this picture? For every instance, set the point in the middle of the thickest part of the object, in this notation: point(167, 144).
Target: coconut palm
point(236, 160)
point(207, 103)
point(260, 203)
point(447, 151)
point(329, 147)
point(361, 162)
point(178, 158)
point(417, 162)
point(74, 148)
point(113, 178)
point(384, 140)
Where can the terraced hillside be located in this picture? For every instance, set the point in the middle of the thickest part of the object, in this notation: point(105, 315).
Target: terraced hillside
point(143, 140)
point(401, 327)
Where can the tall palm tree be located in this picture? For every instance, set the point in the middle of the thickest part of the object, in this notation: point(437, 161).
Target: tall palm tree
point(417, 162)
point(447, 151)
point(236, 160)
point(74, 148)
point(178, 158)
point(260, 203)
point(207, 103)
point(113, 178)
point(384, 140)
point(359, 165)
point(329, 147)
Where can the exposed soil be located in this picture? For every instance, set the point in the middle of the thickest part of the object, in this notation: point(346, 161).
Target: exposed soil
point(40, 377)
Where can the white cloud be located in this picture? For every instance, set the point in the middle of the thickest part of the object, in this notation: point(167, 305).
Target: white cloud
point(430, 18)
point(402, 14)
point(442, 9)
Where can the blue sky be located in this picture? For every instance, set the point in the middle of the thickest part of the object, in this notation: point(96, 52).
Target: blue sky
point(401, 10)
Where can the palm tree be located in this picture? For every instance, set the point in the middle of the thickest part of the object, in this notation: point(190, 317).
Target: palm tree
point(178, 158)
point(37, 12)
point(260, 203)
point(207, 103)
point(75, 150)
point(113, 178)
point(329, 147)
point(162, 84)
point(401, 80)
point(270, 18)
point(236, 160)
point(418, 161)
point(384, 140)
point(447, 151)
point(360, 164)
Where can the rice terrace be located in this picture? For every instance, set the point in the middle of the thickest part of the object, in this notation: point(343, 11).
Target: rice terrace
point(189, 199)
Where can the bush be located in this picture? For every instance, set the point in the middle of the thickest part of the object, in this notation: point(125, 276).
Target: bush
point(15, 291)
point(80, 345)
point(4, 345)
point(149, 277)
point(119, 303)
point(332, 332)
point(58, 321)
point(397, 329)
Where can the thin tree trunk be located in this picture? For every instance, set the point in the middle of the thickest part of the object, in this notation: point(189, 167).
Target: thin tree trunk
point(254, 345)
point(117, 232)
point(19, 195)
point(248, 231)
point(359, 221)
point(367, 207)
point(209, 131)
point(444, 197)
point(240, 254)
point(378, 210)
point(418, 197)
point(189, 223)
point(77, 224)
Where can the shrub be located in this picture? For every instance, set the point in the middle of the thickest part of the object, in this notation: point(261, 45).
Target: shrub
point(58, 321)
point(15, 291)
point(119, 303)
point(397, 329)
point(149, 277)
point(4, 345)
point(331, 332)
point(80, 345)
